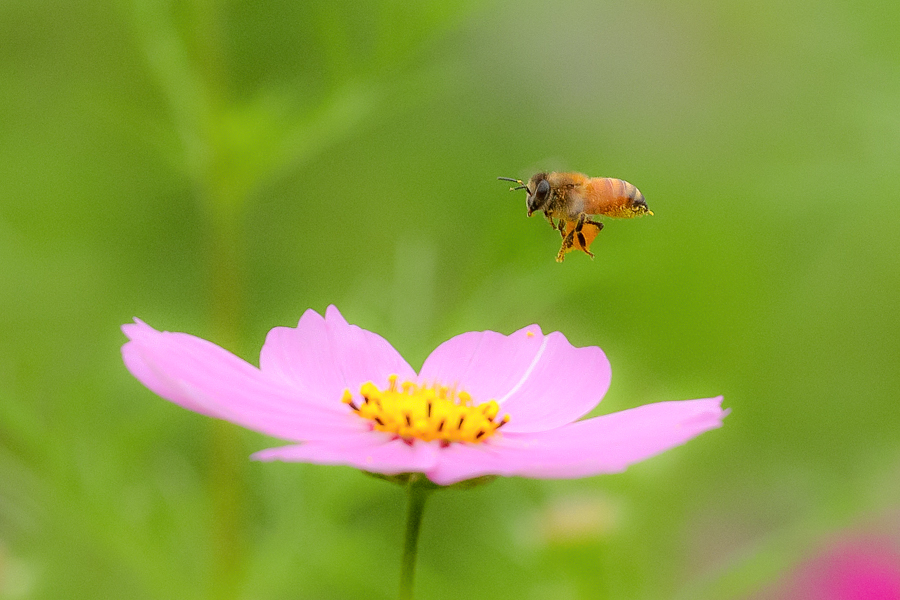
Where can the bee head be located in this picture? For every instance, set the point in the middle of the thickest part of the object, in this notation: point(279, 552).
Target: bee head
point(538, 189)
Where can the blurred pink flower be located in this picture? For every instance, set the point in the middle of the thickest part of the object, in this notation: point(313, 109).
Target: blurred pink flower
point(865, 568)
point(482, 404)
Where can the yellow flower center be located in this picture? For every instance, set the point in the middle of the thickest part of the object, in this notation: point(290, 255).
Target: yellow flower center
point(426, 413)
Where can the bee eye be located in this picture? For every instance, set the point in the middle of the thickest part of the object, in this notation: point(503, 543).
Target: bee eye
point(538, 199)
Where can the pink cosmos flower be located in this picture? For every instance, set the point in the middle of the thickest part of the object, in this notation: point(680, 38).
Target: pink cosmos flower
point(482, 404)
point(859, 567)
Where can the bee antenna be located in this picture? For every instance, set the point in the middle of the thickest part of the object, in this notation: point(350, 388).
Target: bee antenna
point(521, 183)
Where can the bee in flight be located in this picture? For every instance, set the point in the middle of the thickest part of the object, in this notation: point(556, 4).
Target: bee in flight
point(573, 197)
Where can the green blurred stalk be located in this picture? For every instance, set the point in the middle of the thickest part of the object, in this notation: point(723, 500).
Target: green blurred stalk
point(222, 202)
point(226, 464)
point(417, 493)
point(190, 72)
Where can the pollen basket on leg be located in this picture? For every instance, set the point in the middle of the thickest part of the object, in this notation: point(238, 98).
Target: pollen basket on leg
point(426, 412)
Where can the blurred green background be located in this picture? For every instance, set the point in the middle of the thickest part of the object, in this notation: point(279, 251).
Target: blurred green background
point(219, 167)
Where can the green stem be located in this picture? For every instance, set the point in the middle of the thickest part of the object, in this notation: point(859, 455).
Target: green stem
point(418, 491)
point(222, 207)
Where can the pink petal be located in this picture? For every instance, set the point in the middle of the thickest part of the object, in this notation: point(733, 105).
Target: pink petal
point(325, 356)
point(605, 444)
point(205, 378)
point(375, 452)
point(542, 382)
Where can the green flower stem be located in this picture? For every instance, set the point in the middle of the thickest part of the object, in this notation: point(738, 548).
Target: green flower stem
point(418, 489)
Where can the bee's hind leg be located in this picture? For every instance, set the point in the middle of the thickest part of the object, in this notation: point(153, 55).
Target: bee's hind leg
point(566, 244)
point(583, 220)
point(568, 240)
point(576, 236)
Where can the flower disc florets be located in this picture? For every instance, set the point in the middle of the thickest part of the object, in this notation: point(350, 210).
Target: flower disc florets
point(427, 413)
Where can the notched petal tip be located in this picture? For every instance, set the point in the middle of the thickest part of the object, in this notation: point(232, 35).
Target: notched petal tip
point(532, 331)
point(332, 313)
point(709, 412)
point(132, 330)
point(309, 315)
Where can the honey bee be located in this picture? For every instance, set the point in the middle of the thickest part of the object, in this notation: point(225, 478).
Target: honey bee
point(573, 197)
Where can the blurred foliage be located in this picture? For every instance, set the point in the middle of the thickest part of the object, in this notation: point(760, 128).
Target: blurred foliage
point(219, 167)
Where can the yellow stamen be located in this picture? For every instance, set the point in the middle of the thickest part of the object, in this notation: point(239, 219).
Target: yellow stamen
point(426, 412)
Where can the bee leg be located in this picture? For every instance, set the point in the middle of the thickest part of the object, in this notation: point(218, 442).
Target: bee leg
point(583, 244)
point(550, 220)
point(589, 221)
point(577, 231)
point(568, 241)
